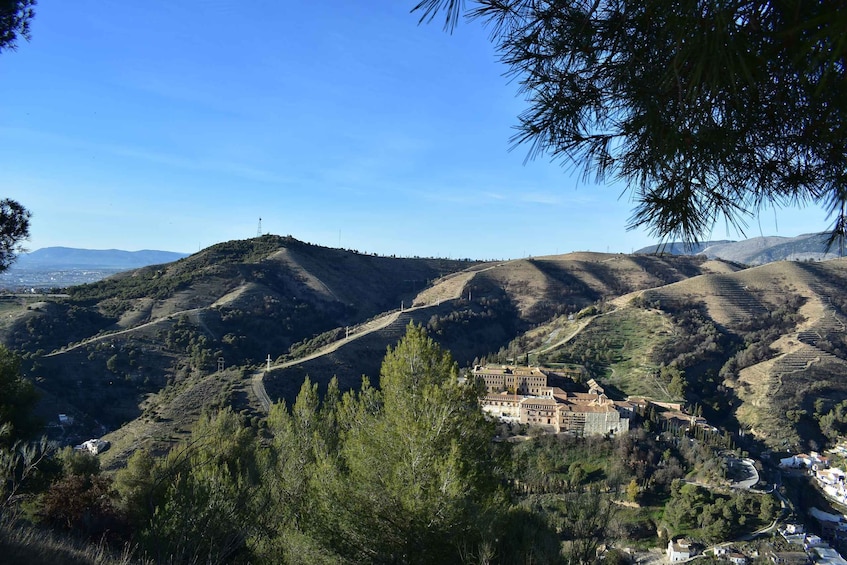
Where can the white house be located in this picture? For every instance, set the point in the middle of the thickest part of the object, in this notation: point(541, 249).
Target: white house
point(831, 476)
point(93, 446)
point(679, 550)
point(794, 528)
point(792, 462)
point(737, 558)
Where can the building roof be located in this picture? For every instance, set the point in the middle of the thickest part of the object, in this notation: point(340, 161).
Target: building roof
point(586, 408)
point(502, 397)
point(538, 400)
point(681, 545)
point(508, 370)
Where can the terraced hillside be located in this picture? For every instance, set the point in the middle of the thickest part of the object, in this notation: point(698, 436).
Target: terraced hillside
point(810, 364)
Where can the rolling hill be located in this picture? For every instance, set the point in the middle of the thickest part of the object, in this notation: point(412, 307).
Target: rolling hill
point(143, 353)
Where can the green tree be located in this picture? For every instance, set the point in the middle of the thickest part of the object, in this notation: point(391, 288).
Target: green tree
point(206, 494)
point(404, 473)
point(14, 219)
point(17, 399)
point(434, 481)
point(15, 18)
point(81, 463)
point(677, 385)
point(586, 519)
point(632, 491)
point(140, 485)
point(706, 110)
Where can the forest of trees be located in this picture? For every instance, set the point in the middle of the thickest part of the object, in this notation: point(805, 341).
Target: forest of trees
point(407, 473)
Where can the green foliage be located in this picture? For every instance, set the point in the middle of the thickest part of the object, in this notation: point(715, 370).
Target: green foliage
point(407, 473)
point(713, 517)
point(161, 282)
point(15, 18)
point(757, 333)
point(80, 463)
point(706, 110)
point(20, 470)
point(676, 379)
point(140, 485)
point(833, 422)
point(204, 495)
point(434, 483)
point(305, 347)
point(17, 398)
point(435, 476)
point(588, 517)
point(61, 324)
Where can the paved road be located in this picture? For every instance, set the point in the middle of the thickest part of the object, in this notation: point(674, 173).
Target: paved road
point(747, 470)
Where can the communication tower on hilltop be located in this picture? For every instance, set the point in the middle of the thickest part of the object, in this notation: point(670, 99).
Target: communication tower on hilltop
point(259, 229)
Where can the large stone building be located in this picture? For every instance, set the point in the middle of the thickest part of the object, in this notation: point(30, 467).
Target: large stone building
point(518, 395)
point(519, 380)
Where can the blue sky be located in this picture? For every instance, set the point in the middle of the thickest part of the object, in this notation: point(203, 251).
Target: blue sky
point(177, 125)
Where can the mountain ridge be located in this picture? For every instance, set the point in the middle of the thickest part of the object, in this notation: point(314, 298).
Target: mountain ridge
point(59, 256)
point(148, 350)
point(755, 251)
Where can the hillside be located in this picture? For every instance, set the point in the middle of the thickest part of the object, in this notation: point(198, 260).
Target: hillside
point(475, 312)
point(108, 346)
point(763, 349)
point(496, 304)
point(154, 347)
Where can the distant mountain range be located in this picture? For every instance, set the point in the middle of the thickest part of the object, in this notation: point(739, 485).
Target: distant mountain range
point(755, 251)
point(64, 257)
point(58, 267)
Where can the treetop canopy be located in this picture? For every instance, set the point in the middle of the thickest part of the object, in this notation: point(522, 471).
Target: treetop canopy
point(706, 110)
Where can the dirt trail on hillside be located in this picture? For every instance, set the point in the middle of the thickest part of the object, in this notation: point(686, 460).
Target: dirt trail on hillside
point(194, 313)
point(233, 295)
point(110, 335)
point(450, 287)
point(579, 327)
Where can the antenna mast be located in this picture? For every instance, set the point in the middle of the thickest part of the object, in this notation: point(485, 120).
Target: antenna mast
point(259, 229)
